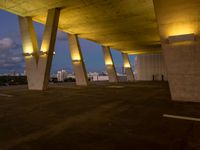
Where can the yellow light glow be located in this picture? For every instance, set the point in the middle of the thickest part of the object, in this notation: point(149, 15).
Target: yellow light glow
point(28, 49)
point(44, 49)
point(180, 29)
point(144, 52)
point(127, 65)
point(76, 57)
point(109, 62)
point(44, 46)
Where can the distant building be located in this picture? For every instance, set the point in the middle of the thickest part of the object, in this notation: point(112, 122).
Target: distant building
point(71, 76)
point(12, 73)
point(24, 74)
point(122, 77)
point(94, 76)
point(61, 75)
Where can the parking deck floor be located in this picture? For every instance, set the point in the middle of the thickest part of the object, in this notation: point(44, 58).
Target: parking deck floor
point(125, 116)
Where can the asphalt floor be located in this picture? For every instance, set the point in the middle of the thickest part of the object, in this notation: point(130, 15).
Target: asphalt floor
point(102, 116)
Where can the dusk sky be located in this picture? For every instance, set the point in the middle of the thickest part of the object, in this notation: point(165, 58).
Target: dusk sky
point(11, 58)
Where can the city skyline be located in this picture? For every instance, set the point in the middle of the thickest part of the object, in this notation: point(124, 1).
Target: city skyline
point(11, 58)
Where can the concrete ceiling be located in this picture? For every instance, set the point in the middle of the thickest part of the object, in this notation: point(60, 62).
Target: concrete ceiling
point(125, 25)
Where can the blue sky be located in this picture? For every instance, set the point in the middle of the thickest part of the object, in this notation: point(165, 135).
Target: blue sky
point(11, 51)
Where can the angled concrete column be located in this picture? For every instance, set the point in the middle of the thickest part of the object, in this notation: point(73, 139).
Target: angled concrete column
point(127, 67)
point(179, 24)
point(110, 67)
point(38, 63)
point(77, 60)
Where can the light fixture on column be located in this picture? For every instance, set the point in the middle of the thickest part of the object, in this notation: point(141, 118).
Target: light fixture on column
point(181, 38)
point(43, 53)
point(76, 61)
point(28, 54)
point(76, 58)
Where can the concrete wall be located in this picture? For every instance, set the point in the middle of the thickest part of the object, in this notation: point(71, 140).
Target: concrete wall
point(149, 65)
point(178, 21)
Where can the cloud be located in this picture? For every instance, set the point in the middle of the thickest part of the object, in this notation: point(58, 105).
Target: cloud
point(6, 43)
point(10, 55)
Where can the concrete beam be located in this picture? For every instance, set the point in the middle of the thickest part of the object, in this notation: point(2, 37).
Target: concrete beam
point(110, 67)
point(77, 60)
point(38, 63)
point(127, 67)
point(179, 31)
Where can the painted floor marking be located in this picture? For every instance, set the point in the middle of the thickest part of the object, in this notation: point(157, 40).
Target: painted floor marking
point(181, 117)
point(5, 95)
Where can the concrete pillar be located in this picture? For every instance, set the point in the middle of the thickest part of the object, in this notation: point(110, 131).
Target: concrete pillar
point(109, 64)
point(77, 60)
point(30, 49)
point(127, 67)
point(179, 24)
point(38, 63)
